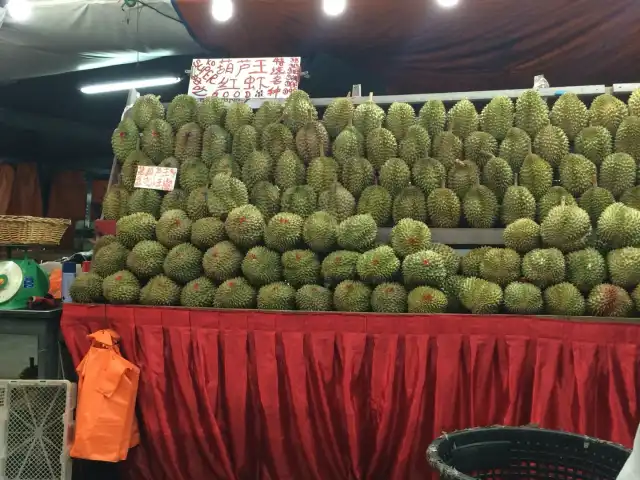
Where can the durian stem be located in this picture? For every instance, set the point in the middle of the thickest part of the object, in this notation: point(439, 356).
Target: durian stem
point(321, 145)
point(371, 96)
point(515, 179)
point(138, 143)
point(562, 201)
point(594, 180)
point(443, 183)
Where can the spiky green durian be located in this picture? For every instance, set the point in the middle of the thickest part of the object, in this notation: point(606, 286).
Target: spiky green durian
point(523, 298)
point(86, 288)
point(595, 143)
point(145, 200)
point(470, 262)
point(576, 173)
point(424, 267)
point(586, 269)
point(357, 233)
point(376, 201)
point(183, 263)
point(564, 299)
point(433, 116)
point(480, 207)
point(238, 115)
point(608, 300)
point(554, 197)
point(198, 293)
point(225, 193)
point(617, 173)
point(381, 146)
point(188, 142)
point(261, 266)
point(426, 300)
point(447, 148)
point(115, 203)
point(182, 110)
point(479, 147)
point(551, 144)
point(245, 226)
point(428, 174)
point(607, 111)
point(389, 298)
point(480, 296)
point(193, 174)
point(322, 173)
point(173, 228)
point(462, 119)
point(257, 168)
point(235, 293)
point(517, 203)
point(338, 201)
point(301, 200)
point(544, 266)
point(275, 139)
point(631, 198)
point(298, 111)
point(356, 174)
point(348, 144)
point(225, 164)
point(628, 137)
point(619, 226)
point(145, 109)
point(338, 115)
point(400, 117)
point(570, 114)
point(276, 296)
point(415, 145)
point(395, 175)
point(409, 236)
point(124, 139)
point(462, 176)
point(109, 259)
point(269, 112)
point(595, 200)
point(339, 266)
point(283, 232)
point(500, 265)
point(266, 197)
point(320, 232)
point(515, 147)
point(207, 232)
point(497, 117)
point(532, 113)
point(523, 235)
point(536, 174)
point(449, 255)
point(378, 265)
point(121, 288)
point(222, 261)
point(314, 298)
point(312, 140)
point(289, 171)
point(211, 111)
point(135, 227)
point(352, 296)
point(410, 202)
point(497, 175)
point(129, 168)
point(443, 208)
point(566, 227)
point(145, 260)
point(624, 267)
point(634, 103)
point(368, 116)
point(245, 141)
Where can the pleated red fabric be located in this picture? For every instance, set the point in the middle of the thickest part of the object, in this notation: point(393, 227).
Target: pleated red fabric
point(277, 395)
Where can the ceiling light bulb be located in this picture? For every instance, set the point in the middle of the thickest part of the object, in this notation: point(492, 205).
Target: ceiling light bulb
point(221, 10)
point(19, 10)
point(334, 8)
point(447, 3)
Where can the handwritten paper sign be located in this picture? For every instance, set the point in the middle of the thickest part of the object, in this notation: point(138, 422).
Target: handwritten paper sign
point(244, 78)
point(156, 178)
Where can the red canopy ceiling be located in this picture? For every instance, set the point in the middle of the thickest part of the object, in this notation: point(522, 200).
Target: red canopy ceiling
point(420, 47)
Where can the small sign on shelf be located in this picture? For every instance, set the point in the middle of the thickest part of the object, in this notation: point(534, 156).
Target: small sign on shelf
point(156, 178)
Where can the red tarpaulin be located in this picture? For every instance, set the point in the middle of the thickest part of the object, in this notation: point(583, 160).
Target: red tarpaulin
point(275, 395)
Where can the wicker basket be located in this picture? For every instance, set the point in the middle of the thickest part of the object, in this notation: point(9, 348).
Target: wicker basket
point(497, 453)
point(17, 230)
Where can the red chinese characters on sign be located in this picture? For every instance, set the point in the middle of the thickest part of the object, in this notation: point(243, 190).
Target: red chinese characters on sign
point(156, 178)
point(244, 78)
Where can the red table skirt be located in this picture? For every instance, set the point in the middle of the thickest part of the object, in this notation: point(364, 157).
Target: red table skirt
point(277, 395)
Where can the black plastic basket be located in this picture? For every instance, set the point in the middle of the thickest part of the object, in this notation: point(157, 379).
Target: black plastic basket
point(505, 453)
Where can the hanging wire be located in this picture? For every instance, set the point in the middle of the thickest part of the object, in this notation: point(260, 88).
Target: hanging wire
point(132, 3)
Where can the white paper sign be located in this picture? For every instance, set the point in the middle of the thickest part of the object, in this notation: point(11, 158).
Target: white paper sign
point(244, 78)
point(156, 178)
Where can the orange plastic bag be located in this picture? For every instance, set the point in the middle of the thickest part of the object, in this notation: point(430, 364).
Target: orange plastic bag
point(106, 426)
point(55, 283)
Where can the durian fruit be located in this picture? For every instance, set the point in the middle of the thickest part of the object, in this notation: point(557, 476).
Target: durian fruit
point(595, 143)
point(619, 226)
point(443, 208)
point(157, 140)
point(124, 139)
point(462, 119)
point(608, 300)
point(607, 111)
point(289, 171)
point(480, 207)
point(595, 200)
point(409, 236)
point(115, 204)
point(275, 139)
point(266, 197)
point(368, 116)
point(269, 112)
point(536, 174)
point(183, 263)
point(352, 296)
point(395, 175)
point(338, 115)
point(224, 194)
point(479, 147)
point(618, 173)
point(357, 233)
point(634, 103)
point(211, 111)
point(301, 267)
point(86, 288)
point(624, 267)
point(314, 298)
point(389, 298)
point(517, 203)
point(143, 200)
point(523, 235)
point(129, 169)
point(145, 109)
point(566, 227)
point(515, 147)
point(426, 300)
point(349, 143)
point(198, 293)
point(576, 174)
point(245, 141)
point(480, 296)
point(631, 198)
point(134, 228)
point(635, 295)
point(523, 299)
point(532, 113)
point(235, 293)
point(222, 262)
point(301, 200)
point(121, 288)
point(224, 164)
point(238, 115)
point(497, 117)
point(375, 201)
point(109, 259)
point(356, 174)
point(554, 197)
point(447, 148)
point(183, 109)
point(207, 232)
point(415, 145)
point(378, 265)
point(462, 176)
point(146, 259)
point(322, 173)
point(427, 174)
point(470, 262)
point(173, 228)
point(283, 232)
point(245, 226)
point(276, 296)
point(339, 266)
point(400, 117)
point(103, 241)
point(628, 137)
point(320, 232)
point(586, 269)
point(381, 146)
point(552, 145)
point(500, 265)
point(570, 114)
point(451, 289)
point(410, 203)
point(170, 162)
point(311, 140)
point(261, 266)
point(449, 256)
point(298, 111)
point(258, 167)
point(433, 116)
point(424, 267)
point(193, 174)
point(497, 175)
point(564, 299)
point(338, 201)
point(544, 267)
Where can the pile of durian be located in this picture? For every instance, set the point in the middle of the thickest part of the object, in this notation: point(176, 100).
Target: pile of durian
point(276, 209)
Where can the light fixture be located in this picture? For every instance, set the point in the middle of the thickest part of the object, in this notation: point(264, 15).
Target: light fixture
point(128, 85)
point(448, 3)
point(221, 10)
point(19, 10)
point(333, 8)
